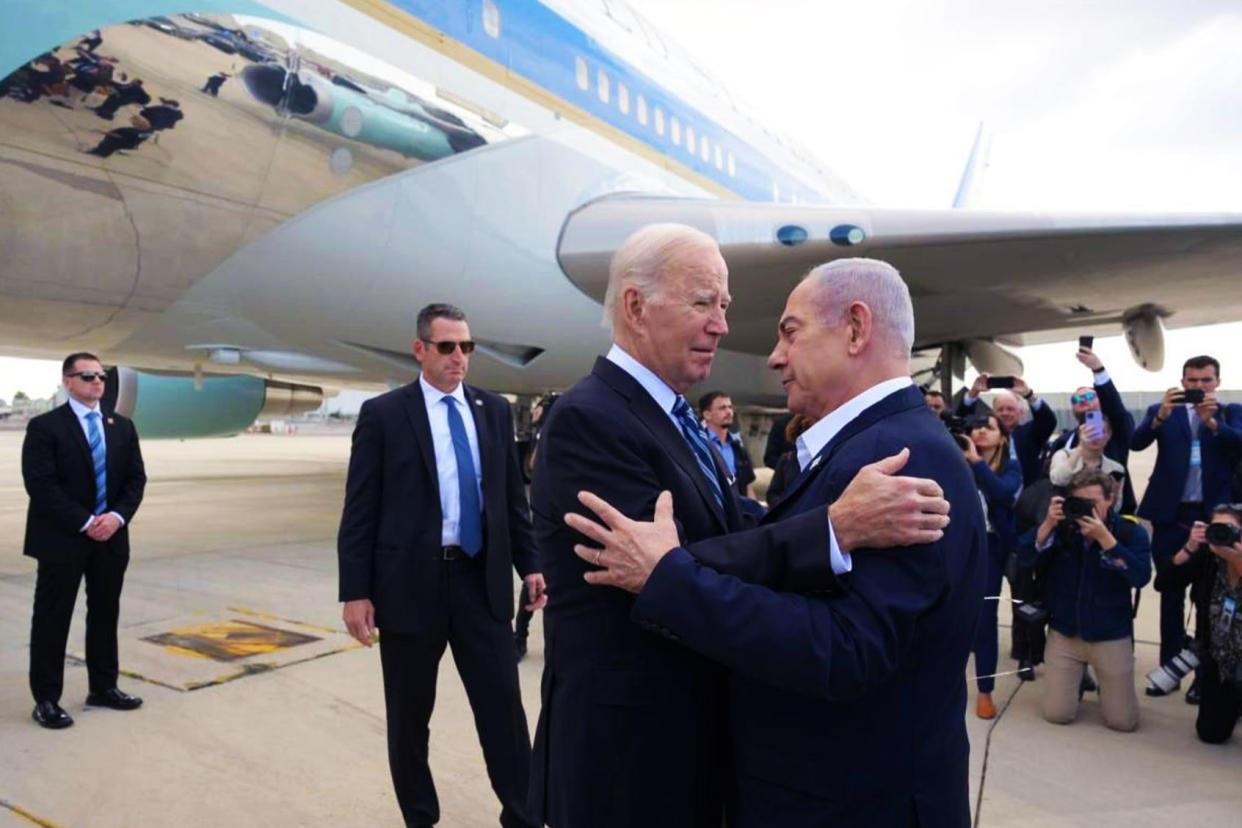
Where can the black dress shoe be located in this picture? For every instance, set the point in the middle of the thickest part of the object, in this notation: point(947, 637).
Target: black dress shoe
point(1026, 670)
point(113, 698)
point(519, 644)
point(51, 715)
point(1192, 693)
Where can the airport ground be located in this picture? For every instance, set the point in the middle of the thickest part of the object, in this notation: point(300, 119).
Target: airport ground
point(234, 552)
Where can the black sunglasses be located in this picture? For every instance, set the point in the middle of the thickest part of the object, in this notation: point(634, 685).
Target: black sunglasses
point(88, 376)
point(447, 346)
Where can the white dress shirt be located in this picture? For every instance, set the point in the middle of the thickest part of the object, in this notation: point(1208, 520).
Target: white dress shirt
point(812, 441)
point(446, 460)
point(80, 411)
point(666, 398)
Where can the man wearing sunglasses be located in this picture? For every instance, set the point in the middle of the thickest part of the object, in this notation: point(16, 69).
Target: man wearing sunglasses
point(435, 519)
point(1102, 395)
point(83, 471)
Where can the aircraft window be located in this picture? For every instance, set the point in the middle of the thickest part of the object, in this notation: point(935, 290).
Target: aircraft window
point(584, 76)
point(603, 86)
point(732, 166)
point(623, 98)
point(659, 121)
point(690, 145)
point(641, 103)
point(491, 18)
point(676, 131)
point(719, 158)
point(705, 149)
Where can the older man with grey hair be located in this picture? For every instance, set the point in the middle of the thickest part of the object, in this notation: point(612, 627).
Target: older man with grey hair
point(846, 707)
point(632, 730)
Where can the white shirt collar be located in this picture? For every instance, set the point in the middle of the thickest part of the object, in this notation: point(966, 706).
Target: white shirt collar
point(433, 395)
point(664, 396)
point(80, 409)
point(813, 440)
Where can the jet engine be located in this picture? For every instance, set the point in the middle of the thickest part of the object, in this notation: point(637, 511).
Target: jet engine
point(171, 406)
point(1144, 334)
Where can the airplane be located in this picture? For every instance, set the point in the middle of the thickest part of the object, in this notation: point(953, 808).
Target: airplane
point(252, 257)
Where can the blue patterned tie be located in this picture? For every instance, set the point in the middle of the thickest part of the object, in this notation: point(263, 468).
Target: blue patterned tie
point(693, 432)
point(471, 524)
point(99, 456)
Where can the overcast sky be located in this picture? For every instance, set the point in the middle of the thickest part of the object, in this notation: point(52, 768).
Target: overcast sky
point(1118, 106)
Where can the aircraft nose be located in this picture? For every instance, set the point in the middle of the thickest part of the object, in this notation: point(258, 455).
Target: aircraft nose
point(266, 82)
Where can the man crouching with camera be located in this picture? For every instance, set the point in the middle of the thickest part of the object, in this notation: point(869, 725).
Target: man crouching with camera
point(1094, 558)
point(1216, 579)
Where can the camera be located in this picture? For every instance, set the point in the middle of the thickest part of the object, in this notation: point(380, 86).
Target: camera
point(1077, 507)
point(1223, 534)
point(1170, 674)
point(1191, 395)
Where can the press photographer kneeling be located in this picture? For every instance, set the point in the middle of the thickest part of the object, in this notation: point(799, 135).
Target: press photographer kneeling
point(1095, 558)
point(1216, 577)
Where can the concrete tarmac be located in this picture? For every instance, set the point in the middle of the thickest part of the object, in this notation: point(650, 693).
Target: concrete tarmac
point(242, 531)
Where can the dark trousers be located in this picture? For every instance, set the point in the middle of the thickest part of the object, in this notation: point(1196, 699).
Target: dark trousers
point(56, 591)
point(1220, 703)
point(987, 646)
point(1166, 539)
point(483, 651)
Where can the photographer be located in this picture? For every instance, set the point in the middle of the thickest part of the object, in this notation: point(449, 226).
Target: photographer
point(1102, 396)
point(999, 479)
point(1095, 558)
point(1027, 439)
point(1199, 441)
point(1216, 589)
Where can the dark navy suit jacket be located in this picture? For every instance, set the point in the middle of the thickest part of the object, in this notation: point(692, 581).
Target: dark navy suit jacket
point(632, 728)
point(389, 541)
point(847, 709)
point(1219, 453)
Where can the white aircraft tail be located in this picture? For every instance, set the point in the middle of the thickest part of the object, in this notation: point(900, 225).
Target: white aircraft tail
point(972, 176)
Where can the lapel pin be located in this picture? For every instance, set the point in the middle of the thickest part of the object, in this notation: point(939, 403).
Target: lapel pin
point(111, 421)
point(478, 402)
point(816, 461)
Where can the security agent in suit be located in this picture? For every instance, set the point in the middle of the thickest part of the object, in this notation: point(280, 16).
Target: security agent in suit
point(83, 471)
point(1198, 446)
point(717, 410)
point(846, 709)
point(435, 517)
point(1102, 395)
point(631, 732)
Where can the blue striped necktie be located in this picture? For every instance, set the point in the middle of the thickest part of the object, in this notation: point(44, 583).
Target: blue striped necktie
point(99, 456)
point(470, 525)
point(693, 432)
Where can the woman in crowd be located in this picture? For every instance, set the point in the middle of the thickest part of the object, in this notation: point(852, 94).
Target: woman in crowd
point(999, 480)
point(1087, 453)
point(1215, 571)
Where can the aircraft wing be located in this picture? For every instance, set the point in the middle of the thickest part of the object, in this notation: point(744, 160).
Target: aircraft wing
point(1013, 277)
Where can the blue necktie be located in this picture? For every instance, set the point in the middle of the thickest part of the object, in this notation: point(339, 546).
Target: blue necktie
point(471, 524)
point(693, 432)
point(99, 456)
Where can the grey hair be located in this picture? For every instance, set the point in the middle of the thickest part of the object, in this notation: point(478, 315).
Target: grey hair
point(642, 258)
point(879, 285)
point(437, 310)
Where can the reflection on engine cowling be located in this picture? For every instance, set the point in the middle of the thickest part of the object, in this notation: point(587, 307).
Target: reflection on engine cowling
point(146, 153)
point(179, 406)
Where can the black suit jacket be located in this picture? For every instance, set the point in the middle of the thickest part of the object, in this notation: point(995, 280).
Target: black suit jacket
point(631, 731)
point(846, 709)
point(388, 547)
point(59, 474)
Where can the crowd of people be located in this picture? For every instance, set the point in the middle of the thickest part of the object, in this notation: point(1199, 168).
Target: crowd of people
point(710, 660)
point(1065, 529)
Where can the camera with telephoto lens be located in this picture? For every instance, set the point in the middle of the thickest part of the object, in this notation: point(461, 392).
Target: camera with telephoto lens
point(1169, 675)
point(1077, 507)
point(1223, 534)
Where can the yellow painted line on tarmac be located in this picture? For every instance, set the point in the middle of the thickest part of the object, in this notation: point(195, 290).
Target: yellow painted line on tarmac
point(251, 669)
point(29, 817)
point(72, 659)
